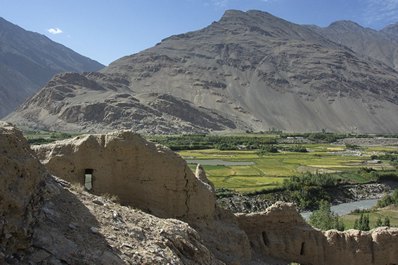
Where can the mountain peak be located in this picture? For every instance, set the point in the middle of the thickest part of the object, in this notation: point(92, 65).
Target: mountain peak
point(249, 71)
point(28, 60)
point(345, 24)
point(250, 14)
point(391, 30)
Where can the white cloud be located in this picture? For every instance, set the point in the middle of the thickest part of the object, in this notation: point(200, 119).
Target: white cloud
point(55, 30)
point(220, 3)
point(381, 11)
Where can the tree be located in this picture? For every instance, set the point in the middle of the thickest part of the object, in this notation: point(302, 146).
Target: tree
point(387, 221)
point(379, 222)
point(325, 219)
point(362, 223)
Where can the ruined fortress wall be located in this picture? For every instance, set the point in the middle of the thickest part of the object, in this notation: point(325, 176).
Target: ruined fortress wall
point(20, 176)
point(139, 173)
point(281, 232)
point(157, 180)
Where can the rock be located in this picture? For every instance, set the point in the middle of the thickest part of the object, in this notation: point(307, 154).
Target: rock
point(39, 256)
point(57, 244)
point(98, 202)
point(110, 258)
point(94, 230)
point(73, 226)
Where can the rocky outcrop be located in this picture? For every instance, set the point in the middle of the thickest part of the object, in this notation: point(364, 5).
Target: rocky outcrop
point(21, 175)
point(282, 233)
point(139, 173)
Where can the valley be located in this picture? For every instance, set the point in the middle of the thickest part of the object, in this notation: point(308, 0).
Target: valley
point(249, 140)
point(346, 170)
point(249, 175)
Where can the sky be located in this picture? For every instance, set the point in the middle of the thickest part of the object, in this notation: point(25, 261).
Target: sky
point(106, 30)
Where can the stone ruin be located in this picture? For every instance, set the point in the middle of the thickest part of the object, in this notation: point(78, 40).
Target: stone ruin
point(21, 176)
point(139, 173)
point(158, 181)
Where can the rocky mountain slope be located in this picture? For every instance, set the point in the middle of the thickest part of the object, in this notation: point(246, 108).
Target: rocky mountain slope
point(391, 30)
point(248, 71)
point(380, 45)
point(29, 60)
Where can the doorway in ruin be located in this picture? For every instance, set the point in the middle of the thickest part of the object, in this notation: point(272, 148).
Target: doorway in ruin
point(88, 179)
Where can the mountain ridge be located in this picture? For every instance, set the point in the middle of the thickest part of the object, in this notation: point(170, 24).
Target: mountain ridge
point(28, 60)
point(251, 68)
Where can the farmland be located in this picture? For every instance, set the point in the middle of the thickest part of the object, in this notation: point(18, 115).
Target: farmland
point(270, 170)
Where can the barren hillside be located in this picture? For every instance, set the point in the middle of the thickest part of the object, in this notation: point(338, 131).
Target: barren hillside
point(248, 71)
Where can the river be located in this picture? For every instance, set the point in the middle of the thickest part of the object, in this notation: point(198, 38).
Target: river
point(346, 208)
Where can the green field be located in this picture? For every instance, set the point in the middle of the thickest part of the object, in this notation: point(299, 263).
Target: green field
point(390, 211)
point(44, 137)
point(270, 170)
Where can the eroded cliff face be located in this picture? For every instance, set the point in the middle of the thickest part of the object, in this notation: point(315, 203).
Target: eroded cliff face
point(281, 232)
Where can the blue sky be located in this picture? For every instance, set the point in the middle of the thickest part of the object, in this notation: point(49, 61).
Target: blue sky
point(106, 30)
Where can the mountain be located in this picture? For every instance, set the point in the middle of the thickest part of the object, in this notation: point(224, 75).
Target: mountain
point(248, 71)
point(380, 45)
point(29, 60)
point(391, 30)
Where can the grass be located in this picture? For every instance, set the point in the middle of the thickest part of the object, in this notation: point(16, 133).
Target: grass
point(270, 170)
point(44, 137)
point(390, 211)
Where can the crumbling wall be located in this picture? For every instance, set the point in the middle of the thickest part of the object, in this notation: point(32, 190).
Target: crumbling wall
point(20, 176)
point(138, 172)
point(281, 232)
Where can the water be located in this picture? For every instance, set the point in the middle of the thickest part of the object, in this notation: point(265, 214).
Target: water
point(218, 162)
point(346, 208)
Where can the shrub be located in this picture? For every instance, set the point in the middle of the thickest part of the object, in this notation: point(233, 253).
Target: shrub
point(362, 223)
point(388, 200)
point(387, 221)
point(295, 148)
point(352, 146)
point(325, 219)
point(379, 222)
point(265, 149)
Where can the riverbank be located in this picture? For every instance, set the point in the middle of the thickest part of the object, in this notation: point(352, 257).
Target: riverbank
point(239, 203)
